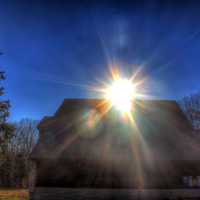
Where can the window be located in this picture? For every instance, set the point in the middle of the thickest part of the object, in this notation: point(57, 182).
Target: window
point(191, 181)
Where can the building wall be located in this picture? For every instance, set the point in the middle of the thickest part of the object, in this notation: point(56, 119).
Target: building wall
point(81, 174)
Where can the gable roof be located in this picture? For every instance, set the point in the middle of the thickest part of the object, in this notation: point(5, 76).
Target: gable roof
point(159, 131)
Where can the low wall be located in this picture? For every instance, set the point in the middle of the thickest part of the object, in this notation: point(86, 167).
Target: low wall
point(107, 194)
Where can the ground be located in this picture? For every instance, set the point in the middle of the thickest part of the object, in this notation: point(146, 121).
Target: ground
point(8, 194)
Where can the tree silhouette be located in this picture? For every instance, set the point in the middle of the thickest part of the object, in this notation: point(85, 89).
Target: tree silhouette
point(6, 133)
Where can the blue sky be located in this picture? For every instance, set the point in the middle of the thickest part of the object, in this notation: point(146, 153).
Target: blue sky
point(52, 49)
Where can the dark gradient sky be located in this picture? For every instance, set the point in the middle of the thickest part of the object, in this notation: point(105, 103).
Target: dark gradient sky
point(53, 48)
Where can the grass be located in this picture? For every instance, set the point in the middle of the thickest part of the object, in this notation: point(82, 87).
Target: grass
point(8, 194)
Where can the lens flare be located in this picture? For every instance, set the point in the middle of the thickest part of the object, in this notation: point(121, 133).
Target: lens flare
point(121, 94)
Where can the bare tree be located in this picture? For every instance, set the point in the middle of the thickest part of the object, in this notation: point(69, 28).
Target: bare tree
point(25, 137)
point(20, 147)
point(191, 107)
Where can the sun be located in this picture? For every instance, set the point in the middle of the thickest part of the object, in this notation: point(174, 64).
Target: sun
point(121, 94)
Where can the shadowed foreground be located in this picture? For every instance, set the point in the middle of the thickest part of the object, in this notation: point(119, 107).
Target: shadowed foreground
point(114, 194)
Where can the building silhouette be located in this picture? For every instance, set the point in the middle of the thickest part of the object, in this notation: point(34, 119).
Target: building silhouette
point(87, 152)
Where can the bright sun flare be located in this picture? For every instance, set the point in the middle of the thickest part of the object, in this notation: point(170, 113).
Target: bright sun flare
point(121, 94)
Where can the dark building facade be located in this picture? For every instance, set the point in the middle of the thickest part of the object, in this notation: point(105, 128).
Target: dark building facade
point(86, 153)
